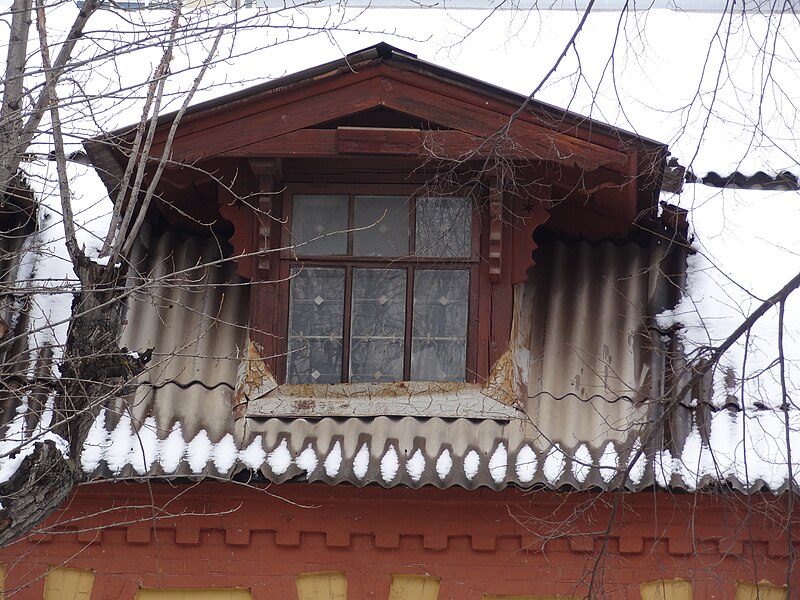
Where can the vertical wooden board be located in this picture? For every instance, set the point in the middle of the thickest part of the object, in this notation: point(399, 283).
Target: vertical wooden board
point(759, 591)
point(330, 585)
point(414, 587)
point(194, 594)
point(68, 584)
point(2, 582)
point(666, 589)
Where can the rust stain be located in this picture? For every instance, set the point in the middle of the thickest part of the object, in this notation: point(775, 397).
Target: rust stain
point(253, 380)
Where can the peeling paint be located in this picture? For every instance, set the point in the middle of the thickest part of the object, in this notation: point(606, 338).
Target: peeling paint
point(253, 380)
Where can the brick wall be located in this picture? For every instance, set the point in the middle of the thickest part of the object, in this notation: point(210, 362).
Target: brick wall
point(216, 535)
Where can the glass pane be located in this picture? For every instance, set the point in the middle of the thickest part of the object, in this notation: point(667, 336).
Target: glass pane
point(316, 315)
point(378, 325)
point(439, 330)
point(444, 227)
point(381, 226)
point(319, 224)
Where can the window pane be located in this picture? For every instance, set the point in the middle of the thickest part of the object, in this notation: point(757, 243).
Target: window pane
point(444, 227)
point(377, 325)
point(439, 329)
point(319, 224)
point(316, 309)
point(384, 220)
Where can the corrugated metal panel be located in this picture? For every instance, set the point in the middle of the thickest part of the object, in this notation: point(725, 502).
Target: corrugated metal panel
point(191, 309)
point(580, 335)
point(590, 347)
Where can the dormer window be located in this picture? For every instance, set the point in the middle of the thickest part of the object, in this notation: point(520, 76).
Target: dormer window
point(379, 287)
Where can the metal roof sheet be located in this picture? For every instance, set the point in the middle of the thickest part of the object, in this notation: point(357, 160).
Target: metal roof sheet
point(580, 338)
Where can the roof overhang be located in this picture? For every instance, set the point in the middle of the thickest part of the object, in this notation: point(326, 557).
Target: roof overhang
point(446, 116)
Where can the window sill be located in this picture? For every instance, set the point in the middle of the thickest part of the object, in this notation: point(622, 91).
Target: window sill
point(446, 400)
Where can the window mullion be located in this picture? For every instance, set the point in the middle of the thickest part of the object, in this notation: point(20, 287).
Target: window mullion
point(408, 323)
point(348, 311)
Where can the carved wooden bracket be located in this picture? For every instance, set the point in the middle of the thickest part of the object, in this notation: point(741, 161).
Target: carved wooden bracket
point(269, 172)
point(240, 215)
point(527, 213)
point(496, 227)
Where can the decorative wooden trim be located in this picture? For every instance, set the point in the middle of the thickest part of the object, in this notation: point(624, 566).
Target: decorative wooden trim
point(527, 213)
point(496, 226)
point(269, 172)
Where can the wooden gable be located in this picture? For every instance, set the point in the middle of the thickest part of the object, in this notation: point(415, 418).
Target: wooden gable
point(384, 103)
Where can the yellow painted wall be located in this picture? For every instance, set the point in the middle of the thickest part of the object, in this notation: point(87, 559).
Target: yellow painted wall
point(667, 589)
point(321, 586)
point(759, 591)
point(68, 584)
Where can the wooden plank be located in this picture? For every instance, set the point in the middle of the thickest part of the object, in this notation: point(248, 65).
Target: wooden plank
point(506, 103)
point(478, 121)
point(273, 100)
point(68, 584)
point(414, 587)
point(321, 586)
point(269, 123)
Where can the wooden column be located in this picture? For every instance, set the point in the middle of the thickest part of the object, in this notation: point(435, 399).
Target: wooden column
point(512, 221)
point(264, 295)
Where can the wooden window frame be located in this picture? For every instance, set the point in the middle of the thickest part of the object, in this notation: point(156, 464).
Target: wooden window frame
point(287, 259)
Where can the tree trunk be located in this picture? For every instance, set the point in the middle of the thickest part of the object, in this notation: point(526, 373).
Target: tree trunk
point(94, 370)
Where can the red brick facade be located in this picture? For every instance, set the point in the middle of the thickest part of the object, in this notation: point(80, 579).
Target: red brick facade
point(509, 543)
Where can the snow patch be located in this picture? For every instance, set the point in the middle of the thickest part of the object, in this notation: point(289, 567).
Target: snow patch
point(526, 464)
point(96, 443)
point(636, 470)
point(472, 462)
point(224, 454)
point(415, 466)
point(581, 463)
point(119, 448)
point(280, 459)
point(662, 468)
point(361, 462)
point(553, 467)
point(444, 464)
point(609, 462)
point(144, 447)
point(390, 463)
point(173, 449)
point(198, 451)
point(333, 461)
point(307, 461)
point(254, 455)
point(498, 463)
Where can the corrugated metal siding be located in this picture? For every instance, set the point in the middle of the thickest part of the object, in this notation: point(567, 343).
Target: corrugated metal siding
point(194, 317)
point(580, 330)
point(590, 347)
